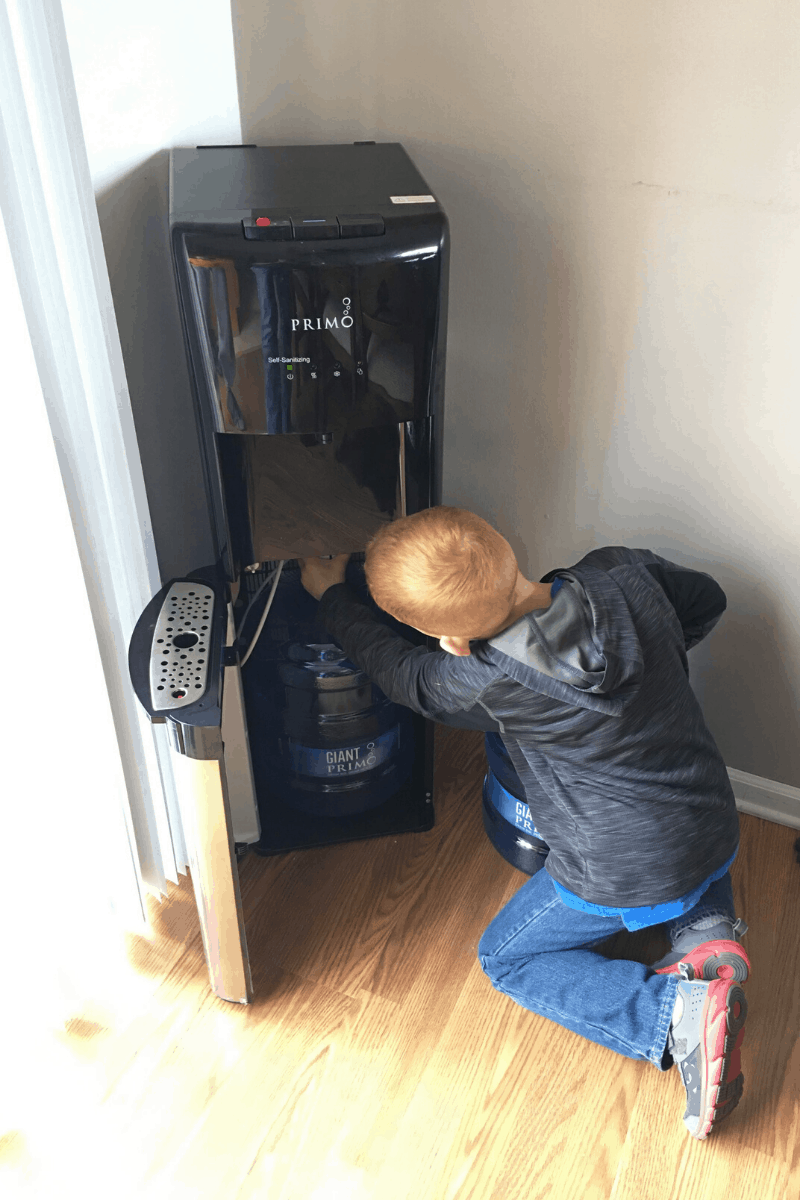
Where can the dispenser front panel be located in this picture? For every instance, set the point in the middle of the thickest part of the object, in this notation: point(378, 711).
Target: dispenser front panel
point(326, 346)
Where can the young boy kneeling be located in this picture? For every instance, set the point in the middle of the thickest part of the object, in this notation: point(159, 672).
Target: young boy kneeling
point(581, 683)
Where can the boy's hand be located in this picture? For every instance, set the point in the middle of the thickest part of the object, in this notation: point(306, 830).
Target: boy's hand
point(318, 574)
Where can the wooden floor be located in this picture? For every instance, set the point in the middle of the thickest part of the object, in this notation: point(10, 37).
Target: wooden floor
point(377, 1063)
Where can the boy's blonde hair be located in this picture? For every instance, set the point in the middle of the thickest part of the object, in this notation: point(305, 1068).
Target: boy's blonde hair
point(443, 570)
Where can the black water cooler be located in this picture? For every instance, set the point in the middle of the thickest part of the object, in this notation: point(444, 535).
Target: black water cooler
point(312, 283)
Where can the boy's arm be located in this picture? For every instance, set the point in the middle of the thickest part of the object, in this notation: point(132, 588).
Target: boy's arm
point(698, 599)
point(435, 684)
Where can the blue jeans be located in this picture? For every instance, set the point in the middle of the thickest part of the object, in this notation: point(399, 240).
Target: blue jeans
point(538, 951)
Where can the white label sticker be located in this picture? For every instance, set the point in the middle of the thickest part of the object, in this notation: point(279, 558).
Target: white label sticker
point(413, 199)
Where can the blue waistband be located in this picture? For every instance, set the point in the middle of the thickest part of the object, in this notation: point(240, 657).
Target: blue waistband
point(645, 915)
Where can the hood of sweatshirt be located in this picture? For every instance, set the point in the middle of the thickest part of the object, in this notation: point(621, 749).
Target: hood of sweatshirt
point(584, 645)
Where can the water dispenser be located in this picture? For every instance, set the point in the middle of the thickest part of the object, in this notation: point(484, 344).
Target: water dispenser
point(312, 286)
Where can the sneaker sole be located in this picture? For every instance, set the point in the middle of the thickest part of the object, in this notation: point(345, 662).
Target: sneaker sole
point(712, 960)
point(719, 1066)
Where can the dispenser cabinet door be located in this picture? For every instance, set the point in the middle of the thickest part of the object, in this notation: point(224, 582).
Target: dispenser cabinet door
point(185, 675)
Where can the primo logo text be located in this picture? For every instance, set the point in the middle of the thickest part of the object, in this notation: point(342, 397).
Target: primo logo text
point(311, 323)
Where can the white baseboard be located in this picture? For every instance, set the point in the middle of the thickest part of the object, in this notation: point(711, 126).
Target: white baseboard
point(765, 798)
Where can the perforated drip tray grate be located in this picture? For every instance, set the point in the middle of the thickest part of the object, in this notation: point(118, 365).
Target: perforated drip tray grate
point(179, 657)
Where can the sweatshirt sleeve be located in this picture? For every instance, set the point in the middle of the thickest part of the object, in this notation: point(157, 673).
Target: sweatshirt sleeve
point(698, 599)
point(435, 684)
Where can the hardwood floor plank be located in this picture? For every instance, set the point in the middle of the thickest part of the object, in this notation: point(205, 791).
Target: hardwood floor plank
point(501, 1108)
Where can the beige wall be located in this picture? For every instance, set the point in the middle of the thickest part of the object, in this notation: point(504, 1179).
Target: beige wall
point(622, 181)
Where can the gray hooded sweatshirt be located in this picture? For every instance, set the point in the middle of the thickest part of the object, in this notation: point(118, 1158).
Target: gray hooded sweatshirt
point(592, 701)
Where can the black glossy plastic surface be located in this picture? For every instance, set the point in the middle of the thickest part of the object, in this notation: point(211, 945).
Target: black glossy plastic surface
point(306, 336)
point(300, 179)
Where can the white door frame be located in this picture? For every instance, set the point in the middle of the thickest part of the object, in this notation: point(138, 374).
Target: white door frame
point(50, 219)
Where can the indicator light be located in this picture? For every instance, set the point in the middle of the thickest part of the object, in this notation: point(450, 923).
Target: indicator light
point(263, 221)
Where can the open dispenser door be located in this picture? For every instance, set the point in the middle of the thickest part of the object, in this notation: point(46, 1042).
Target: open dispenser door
point(186, 676)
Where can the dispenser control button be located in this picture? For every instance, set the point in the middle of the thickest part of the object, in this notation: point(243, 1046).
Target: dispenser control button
point(362, 225)
point(306, 228)
point(263, 228)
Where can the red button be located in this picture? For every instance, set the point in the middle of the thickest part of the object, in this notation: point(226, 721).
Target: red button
point(263, 221)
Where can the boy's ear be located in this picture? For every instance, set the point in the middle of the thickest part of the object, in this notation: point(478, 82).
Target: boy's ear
point(452, 647)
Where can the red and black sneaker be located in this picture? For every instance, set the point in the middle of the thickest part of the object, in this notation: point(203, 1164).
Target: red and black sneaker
point(705, 1041)
point(711, 960)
